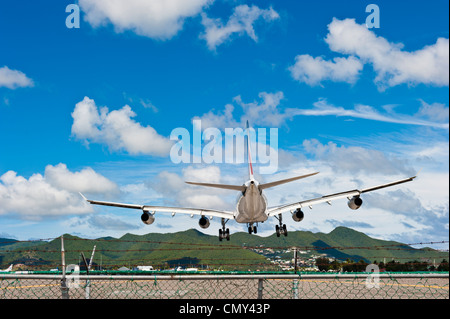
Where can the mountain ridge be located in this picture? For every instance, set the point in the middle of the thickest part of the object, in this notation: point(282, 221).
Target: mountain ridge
point(194, 247)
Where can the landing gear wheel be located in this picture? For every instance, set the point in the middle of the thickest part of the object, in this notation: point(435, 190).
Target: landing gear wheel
point(281, 228)
point(224, 233)
point(252, 228)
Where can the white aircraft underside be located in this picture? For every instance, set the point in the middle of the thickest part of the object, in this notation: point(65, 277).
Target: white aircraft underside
point(251, 206)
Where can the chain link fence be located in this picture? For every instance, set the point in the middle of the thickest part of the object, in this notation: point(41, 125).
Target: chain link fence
point(226, 286)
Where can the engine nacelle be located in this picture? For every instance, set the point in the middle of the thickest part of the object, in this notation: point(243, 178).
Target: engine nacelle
point(298, 215)
point(147, 218)
point(355, 202)
point(203, 222)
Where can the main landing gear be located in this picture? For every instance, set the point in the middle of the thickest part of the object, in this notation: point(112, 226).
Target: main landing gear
point(224, 233)
point(281, 228)
point(252, 229)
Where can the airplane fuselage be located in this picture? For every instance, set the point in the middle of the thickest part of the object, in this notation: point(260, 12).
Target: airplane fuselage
point(252, 205)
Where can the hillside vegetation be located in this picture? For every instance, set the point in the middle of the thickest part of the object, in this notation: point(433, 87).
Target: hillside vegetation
point(194, 248)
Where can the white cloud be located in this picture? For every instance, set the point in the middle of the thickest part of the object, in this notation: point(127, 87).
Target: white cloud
point(219, 119)
point(240, 22)
point(312, 71)
point(394, 66)
point(435, 111)
point(163, 19)
point(168, 184)
point(86, 180)
point(116, 129)
point(107, 223)
point(424, 116)
point(411, 212)
point(357, 159)
point(158, 19)
point(426, 223)
point(265, 112)
point(13, 79)
point(52, 195)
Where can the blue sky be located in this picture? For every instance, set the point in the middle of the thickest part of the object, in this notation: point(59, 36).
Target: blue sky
point(92, 108)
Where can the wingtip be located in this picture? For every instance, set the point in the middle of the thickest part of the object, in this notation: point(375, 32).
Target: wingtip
point(83, 196)
point(417, 174)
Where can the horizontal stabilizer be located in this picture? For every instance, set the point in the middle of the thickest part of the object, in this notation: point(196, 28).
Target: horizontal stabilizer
point(240, 188)
point(283, 181)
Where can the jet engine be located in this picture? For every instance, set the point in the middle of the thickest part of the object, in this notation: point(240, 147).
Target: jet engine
point(203, 222)
point(298, 215)
point(147, 218)
point(355, 202)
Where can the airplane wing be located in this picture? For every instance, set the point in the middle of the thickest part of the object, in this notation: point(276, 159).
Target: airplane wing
point(328, 198)
point(164, 209)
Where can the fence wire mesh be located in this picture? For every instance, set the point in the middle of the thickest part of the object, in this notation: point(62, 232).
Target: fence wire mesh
point(303, 286)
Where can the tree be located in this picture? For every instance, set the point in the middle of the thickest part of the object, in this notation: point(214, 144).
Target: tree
point(335, 265)
point(443, 266)
point(323, 264)
point(361, 266)
point(348, 265)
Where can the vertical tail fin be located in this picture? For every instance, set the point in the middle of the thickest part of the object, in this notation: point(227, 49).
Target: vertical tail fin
point(250, 165)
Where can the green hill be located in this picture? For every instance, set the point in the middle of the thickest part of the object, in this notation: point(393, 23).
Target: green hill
point(343, 243)
point(194, 248)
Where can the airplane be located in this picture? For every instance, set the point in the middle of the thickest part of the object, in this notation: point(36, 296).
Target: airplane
point(7, 269)
point(251, 207)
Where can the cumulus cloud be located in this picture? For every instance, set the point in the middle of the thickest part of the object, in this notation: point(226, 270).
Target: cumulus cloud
point(219, 119)
point(356, 159)
point(110, 223)
point(262, 112)
point(313, 71)
point(101, 224)
point(158, 19)
point(13, 79)
point(52, 194)
point(435, 112)
point(163, 19)
point(168, 183)
point(393, 65)
point(240, 22)
point(431, 221)
point(411, 212)
point(86, 180)
point(116, 129)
